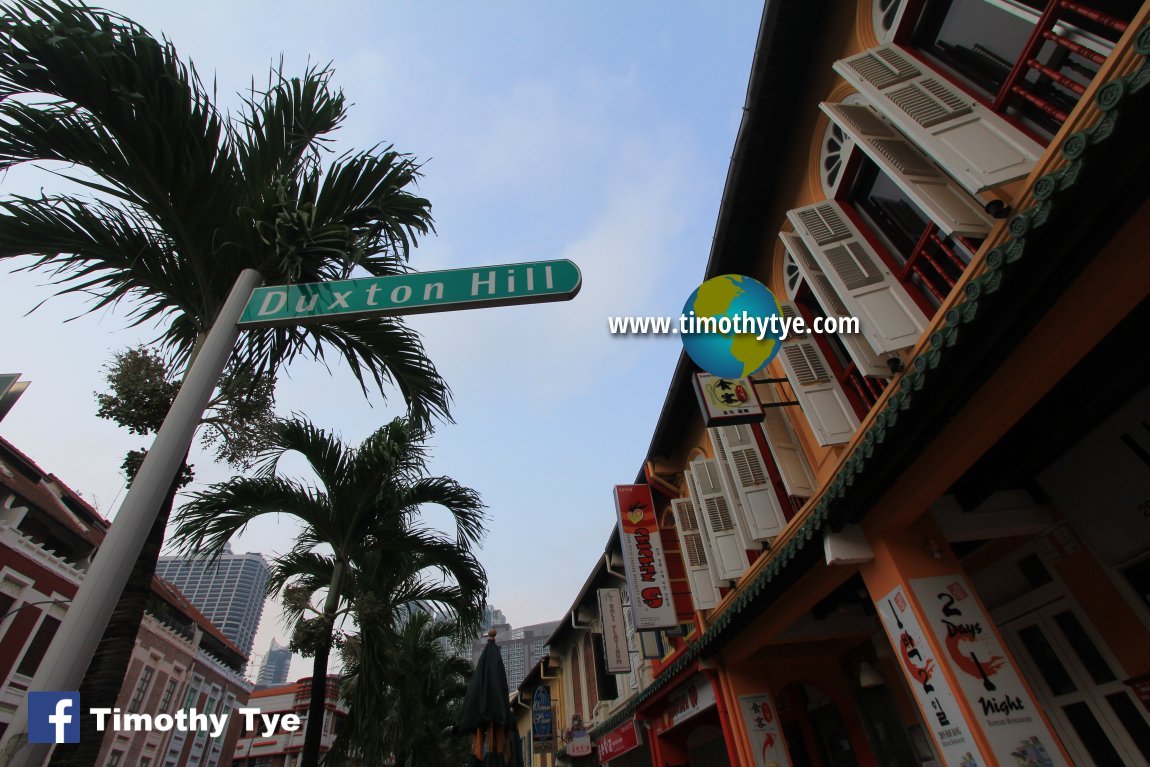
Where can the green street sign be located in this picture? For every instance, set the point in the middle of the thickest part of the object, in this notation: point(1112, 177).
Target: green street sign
point(417, 293)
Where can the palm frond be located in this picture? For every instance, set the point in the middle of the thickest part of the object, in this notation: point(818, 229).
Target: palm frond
point(282, 127)
point(215, 514)
point(322, 450)
point(464, 504)
point(377, 352)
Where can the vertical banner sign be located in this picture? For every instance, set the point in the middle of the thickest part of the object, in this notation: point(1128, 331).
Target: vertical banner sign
point(931, 690)
point(988, 680)
point(762, 723)
point(646, 568)
point(617, 653)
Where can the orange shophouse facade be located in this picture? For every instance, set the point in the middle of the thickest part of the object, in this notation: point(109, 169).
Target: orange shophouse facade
point(934, 547)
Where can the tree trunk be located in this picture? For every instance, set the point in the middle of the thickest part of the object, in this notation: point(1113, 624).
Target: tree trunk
point(109, 667)
point(313, 736)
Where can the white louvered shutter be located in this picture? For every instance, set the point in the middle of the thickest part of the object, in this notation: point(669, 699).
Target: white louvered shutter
point(731, 490)
point(974, 145)
point(704, 593)
point(890, 319)
point(789, 457)
point(822, 400)
point(942, 200)
point(859, 349)
point(747, 472)
point(728, 552)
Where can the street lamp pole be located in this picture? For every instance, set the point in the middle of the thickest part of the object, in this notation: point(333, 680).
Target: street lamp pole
point(70, 652)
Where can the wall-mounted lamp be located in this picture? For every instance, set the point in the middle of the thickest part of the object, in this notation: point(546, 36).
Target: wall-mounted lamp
point(997, 209)
point(868, 677)
point(933, 547)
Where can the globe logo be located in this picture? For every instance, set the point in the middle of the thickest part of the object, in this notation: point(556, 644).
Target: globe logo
point(726, 326)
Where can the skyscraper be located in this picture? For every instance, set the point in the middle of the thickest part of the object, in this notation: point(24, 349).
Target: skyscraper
point(521, 648)
point(228, 590)
point(274, 670)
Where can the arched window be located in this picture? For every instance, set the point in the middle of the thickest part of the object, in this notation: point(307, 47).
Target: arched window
point(884, 17)
point(589, 673)
point(576, 683)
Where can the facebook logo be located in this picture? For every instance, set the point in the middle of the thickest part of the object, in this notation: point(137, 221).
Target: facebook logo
point(54, 717)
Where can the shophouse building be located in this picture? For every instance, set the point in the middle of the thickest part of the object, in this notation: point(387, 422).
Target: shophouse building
point(931, 546)
point(48, 536)
point(282, 748)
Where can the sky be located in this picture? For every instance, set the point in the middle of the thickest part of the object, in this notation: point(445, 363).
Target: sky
point(598, 132)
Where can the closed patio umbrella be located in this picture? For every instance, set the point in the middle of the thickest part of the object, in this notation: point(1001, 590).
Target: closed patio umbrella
point(486, 713)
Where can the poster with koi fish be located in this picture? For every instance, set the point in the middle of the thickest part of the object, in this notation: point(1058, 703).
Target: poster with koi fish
point(643, 560)
point(986, 675)
point(931, 690)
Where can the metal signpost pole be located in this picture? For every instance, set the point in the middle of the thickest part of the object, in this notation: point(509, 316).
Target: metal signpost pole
point(70, 652)
point(249, 306)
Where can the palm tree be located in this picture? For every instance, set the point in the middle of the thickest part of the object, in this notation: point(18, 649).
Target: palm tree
point(404, 688)
point(181, 197)
point(365, 508)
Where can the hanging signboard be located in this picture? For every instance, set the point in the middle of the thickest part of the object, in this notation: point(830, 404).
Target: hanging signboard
point(939, 707)
point(542, 720)
point(644, 563)
point(615, 649)
point(987, 678)
point(580, 743)
point(727, 401)
point(762, 723)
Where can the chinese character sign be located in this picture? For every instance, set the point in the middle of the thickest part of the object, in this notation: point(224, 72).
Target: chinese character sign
point(931, 690)
point(762, 723)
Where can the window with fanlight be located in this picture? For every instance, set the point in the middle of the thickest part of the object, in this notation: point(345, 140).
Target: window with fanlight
point(861, 389)
point(926, 260)
point(1028, 59)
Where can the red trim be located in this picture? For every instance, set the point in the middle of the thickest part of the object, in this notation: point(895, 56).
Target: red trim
point(938, 68)
point(785, 502)
point(724, 718)
point(916, 295)
point(669, 687)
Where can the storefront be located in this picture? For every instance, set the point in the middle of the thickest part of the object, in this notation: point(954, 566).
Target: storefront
point(624, 746)
point(690, 727)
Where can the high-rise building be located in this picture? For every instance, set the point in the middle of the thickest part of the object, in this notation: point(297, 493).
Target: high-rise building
point(521, 648)
point(274, 670)
point(493, 618)
point(229, 590)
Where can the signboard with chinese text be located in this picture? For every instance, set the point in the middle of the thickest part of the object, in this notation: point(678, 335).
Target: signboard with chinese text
point(931, 690)
point(615, 649)
point(619, 741)
point(693, 697)
point(727, 401)
point(580, 744)
point(987, 678)
point(762, 722)
point(644, 563)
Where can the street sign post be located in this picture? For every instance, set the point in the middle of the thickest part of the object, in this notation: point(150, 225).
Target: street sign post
point(249, 306)
point(415, 293)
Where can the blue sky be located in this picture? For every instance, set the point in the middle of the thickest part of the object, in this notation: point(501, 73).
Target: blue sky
point(596, 132)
